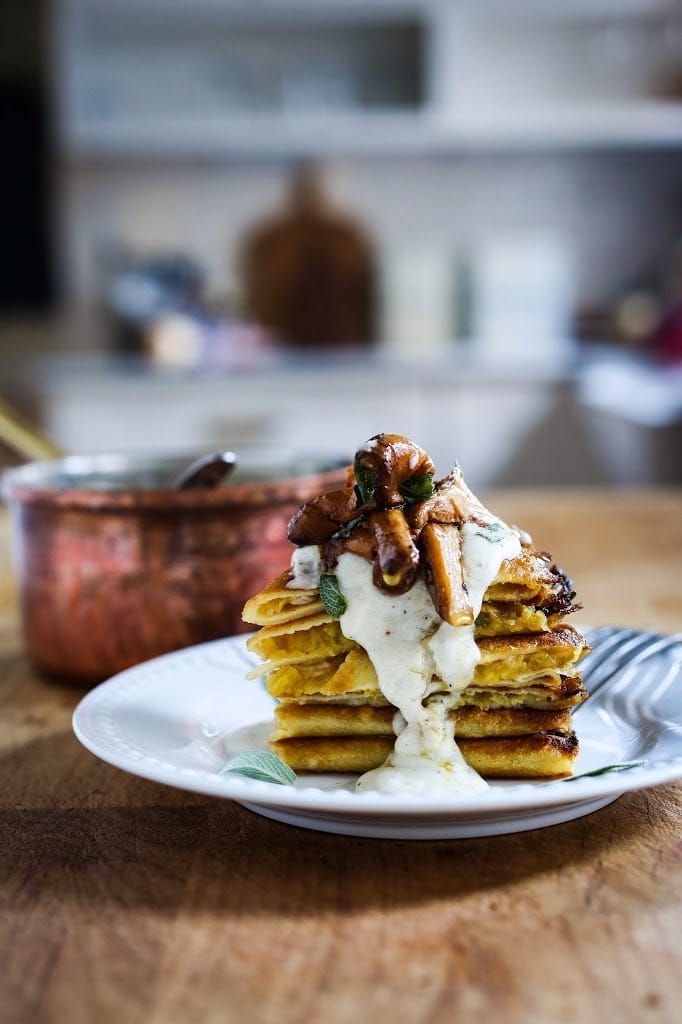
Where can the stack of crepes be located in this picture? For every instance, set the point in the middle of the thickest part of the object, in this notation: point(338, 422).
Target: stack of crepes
point(511, 709)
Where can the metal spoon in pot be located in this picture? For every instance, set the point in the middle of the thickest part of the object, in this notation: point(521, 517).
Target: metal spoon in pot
point(206, 472)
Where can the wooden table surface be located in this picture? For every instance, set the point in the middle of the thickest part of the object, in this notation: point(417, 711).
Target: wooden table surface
point(123, 901)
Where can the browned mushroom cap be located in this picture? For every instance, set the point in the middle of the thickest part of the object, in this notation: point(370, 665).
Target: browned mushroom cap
point(452, 502)
point(360, 541)
point(438, 509)
point(441, 545)
point(318, 519)
point(397, 558)
point(385, 462)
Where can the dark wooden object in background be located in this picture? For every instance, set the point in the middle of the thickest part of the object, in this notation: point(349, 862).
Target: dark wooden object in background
point(309, 272)
point(125, 901)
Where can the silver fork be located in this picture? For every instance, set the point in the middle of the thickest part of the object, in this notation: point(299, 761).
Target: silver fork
point(621, 649)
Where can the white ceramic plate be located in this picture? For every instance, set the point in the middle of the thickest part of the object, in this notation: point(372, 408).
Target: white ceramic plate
point(176, 720)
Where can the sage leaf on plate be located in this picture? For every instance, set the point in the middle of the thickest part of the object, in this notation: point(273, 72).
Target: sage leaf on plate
point(493, 532)
point(621, 766)
point(261, 766)
point(417, 488)
point(332, 598)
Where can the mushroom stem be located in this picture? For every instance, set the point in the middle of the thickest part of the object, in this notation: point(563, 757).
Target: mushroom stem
point(442, 549)
point(397, 558)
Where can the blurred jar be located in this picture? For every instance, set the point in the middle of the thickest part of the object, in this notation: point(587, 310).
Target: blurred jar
point(143, 290)
point(522, 298)
point(418, 292)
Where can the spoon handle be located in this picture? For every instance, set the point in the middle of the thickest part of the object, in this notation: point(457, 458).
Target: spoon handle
point(206, 472)
point(23, 438)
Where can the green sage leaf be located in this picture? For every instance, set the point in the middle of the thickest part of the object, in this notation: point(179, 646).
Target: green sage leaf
point(261, 766)
point(345, 531)
point(622, 766)
point(417, 488)
point(332, 598)
point(366, 480)
point(493, 532)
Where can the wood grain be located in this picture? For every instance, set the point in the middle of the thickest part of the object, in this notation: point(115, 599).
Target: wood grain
point(124, 901)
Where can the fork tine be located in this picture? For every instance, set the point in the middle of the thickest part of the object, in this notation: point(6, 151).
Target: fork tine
point(619, 649)
point(617, 673)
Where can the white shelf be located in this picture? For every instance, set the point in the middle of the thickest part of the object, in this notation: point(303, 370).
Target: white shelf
point(142, 79)
point(255, 135)
point(637, 123)
point(640, 124)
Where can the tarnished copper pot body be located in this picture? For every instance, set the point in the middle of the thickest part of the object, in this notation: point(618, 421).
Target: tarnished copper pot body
point(116, 567)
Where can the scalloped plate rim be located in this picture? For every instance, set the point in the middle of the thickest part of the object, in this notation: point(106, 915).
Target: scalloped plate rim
point(501, 799)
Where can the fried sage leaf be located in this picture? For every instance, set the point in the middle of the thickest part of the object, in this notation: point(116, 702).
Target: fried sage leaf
point(332, 598)
point(621, 766)
point(261, 766)
point(366, 480)
point(493, 532)
point(417, 488)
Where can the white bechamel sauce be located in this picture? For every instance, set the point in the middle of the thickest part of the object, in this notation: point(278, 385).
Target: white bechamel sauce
point(422, 664)
point(305, 568)
point(482, 558)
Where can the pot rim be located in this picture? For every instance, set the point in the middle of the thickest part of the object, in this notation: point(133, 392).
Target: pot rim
point(35, 483)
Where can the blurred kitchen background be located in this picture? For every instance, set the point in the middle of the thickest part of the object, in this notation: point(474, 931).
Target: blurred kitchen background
point(301, 222)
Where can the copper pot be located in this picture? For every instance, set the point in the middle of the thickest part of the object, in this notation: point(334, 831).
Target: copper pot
point(116, 567)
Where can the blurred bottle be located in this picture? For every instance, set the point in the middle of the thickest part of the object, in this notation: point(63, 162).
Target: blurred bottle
point(646, 316)
point(666, 340)
point(309, 270)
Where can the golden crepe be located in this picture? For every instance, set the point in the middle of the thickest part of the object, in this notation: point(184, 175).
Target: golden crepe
point(408, 596)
